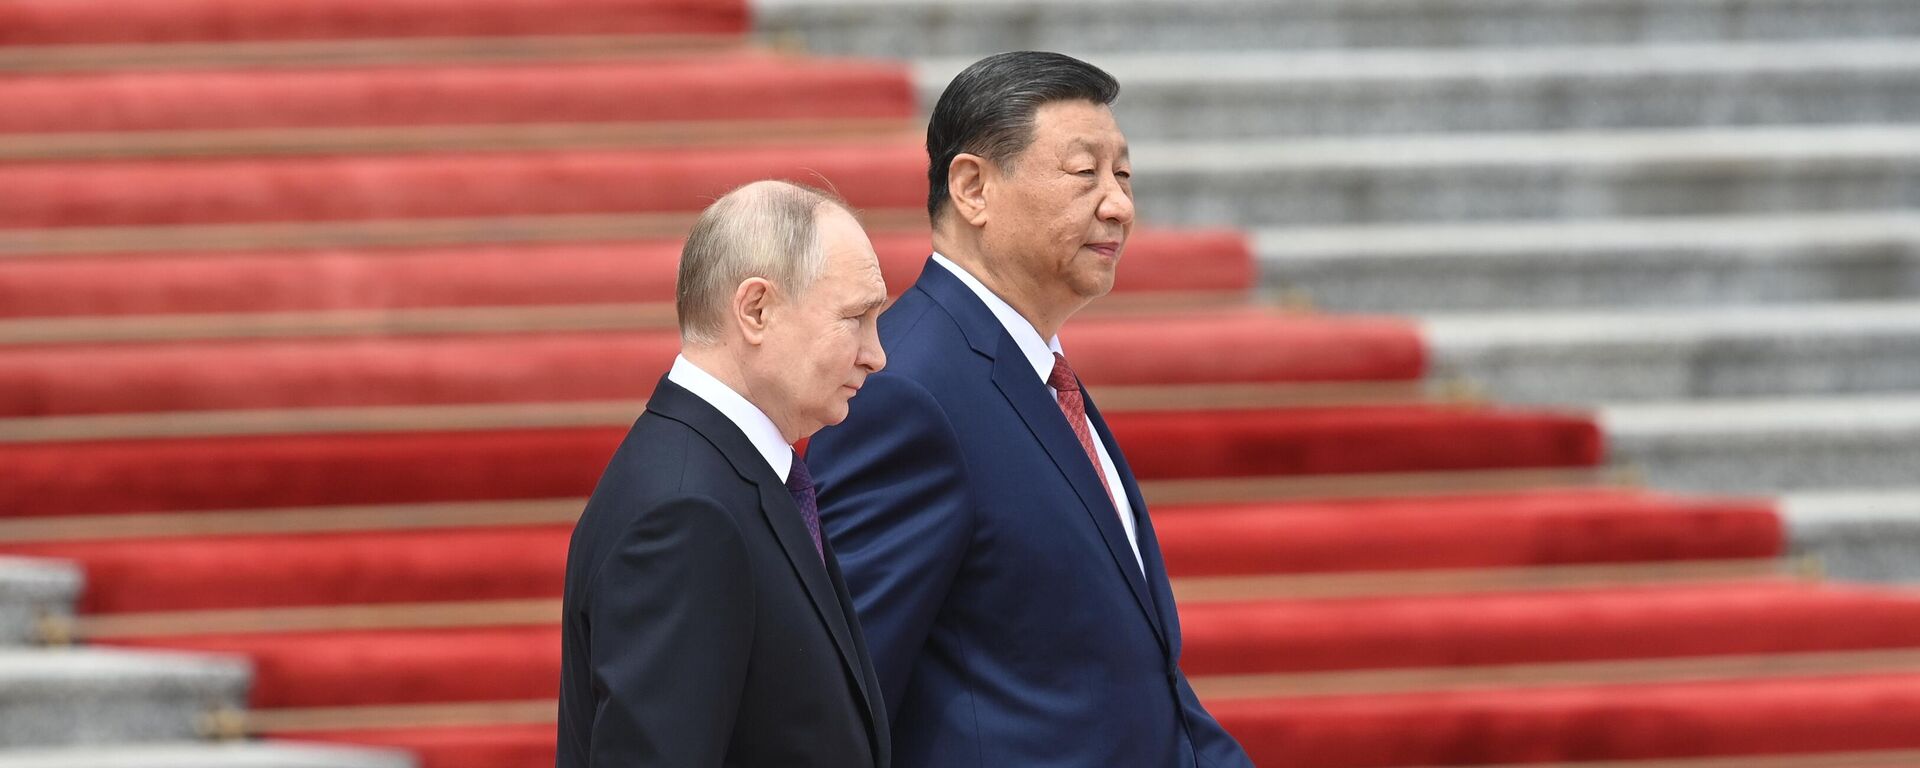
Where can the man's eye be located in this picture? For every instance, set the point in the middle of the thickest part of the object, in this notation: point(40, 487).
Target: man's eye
point(1128, 175)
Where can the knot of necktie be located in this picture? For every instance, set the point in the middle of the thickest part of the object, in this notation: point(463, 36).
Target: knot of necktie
point(1062, 378)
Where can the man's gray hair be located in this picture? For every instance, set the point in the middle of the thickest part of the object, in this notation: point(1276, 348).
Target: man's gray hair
point(762, 229)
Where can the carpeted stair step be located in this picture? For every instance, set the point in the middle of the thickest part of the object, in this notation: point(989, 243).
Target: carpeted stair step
point(1682, 353)
point(1295, 181)
point(1214, 263)
point(215, 570)
point(1476, 531)
point(57, 697)
point(1615, 263)
point(1228, 93)
point(744, 85)
point(1857, 720)
point(387, 667)
point(347, 188)
point(206, 755)
point(948, 28)
point(33, 590)
point(1868, 535)
point(1605, 175)
point(523, 742)
point(1583, 723)
point(1647, 621)
point(63, 22)
point(469, 360)
point(526, 453)
point(358, 667)
point(315, 569)
point(1770, 445)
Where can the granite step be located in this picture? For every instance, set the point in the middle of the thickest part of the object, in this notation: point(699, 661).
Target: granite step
point(1488, 177)
point(33, 590)
point(908, 28)
point(1733, 260)
point(52, 697)
point(1672, 354)
point(1858, 535)
point(208, 755)
point(1773, 445)
point(1223, 94)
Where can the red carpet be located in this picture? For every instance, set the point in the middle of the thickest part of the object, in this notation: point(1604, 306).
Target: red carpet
point(302, 669)
point(216, 572)
point(483, 275)
point(73, 379)
point(737, 85)
point(96, 194)
point(365, 468)
point(1537, 627)
point(331, 669)
point(1742, 717)
point(45, 22)
point(1506, 530)
point(513, 562)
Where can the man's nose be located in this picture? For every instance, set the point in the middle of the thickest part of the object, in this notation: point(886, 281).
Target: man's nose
point(873, 356)
point(1117, 207)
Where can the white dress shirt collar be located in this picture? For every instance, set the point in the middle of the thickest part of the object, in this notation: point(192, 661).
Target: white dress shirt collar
point(751, 420)
point(1039, 353)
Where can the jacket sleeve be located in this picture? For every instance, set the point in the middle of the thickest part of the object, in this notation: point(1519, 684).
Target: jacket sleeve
point(895, 505)
point(670, 627)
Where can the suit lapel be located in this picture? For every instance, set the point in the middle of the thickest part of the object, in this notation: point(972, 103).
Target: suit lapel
point(782, 516)
point(777, 506)
point(1167, 623)
point(1035, 403)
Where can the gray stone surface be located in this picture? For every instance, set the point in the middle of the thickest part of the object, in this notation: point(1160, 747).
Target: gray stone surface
point(1614, 263)
point(1672, 354)
point(1484, 177)
point(1857, 535)
point(907, 28)
point(199, 755)
point(31, 590)
point(1768, 446)
point(75, 696)
point(1213, 95)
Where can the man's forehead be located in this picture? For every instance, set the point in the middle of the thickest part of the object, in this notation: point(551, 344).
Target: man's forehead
point(1098, 144)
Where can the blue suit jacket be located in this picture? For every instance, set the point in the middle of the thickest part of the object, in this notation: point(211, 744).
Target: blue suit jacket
point(1007, 619)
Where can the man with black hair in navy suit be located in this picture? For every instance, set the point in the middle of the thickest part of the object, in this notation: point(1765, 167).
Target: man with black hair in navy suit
point(994, 540)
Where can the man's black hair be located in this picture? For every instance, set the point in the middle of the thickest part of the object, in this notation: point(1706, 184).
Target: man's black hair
point(988, 109)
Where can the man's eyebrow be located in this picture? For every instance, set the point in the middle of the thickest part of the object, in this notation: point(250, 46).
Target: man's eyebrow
point(871, 304)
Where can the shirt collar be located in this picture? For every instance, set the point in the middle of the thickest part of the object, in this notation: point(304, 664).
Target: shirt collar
point(1039, 353)
point(750, 419)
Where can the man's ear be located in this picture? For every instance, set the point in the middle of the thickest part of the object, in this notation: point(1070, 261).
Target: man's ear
point(967, 187)
point(748, 310)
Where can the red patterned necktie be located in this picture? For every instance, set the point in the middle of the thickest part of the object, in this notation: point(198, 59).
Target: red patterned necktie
point(1073, 404)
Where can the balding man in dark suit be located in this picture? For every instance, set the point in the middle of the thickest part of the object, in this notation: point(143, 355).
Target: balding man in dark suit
point(705, 621)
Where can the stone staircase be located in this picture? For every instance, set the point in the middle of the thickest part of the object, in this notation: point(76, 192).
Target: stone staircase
point(1697, 218)
point(75, 707)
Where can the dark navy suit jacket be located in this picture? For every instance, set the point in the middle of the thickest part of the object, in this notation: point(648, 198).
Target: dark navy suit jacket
point(1008, 620)
point(699, 626)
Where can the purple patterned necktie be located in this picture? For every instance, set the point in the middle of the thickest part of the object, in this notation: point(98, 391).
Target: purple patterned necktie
point(800, 484)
